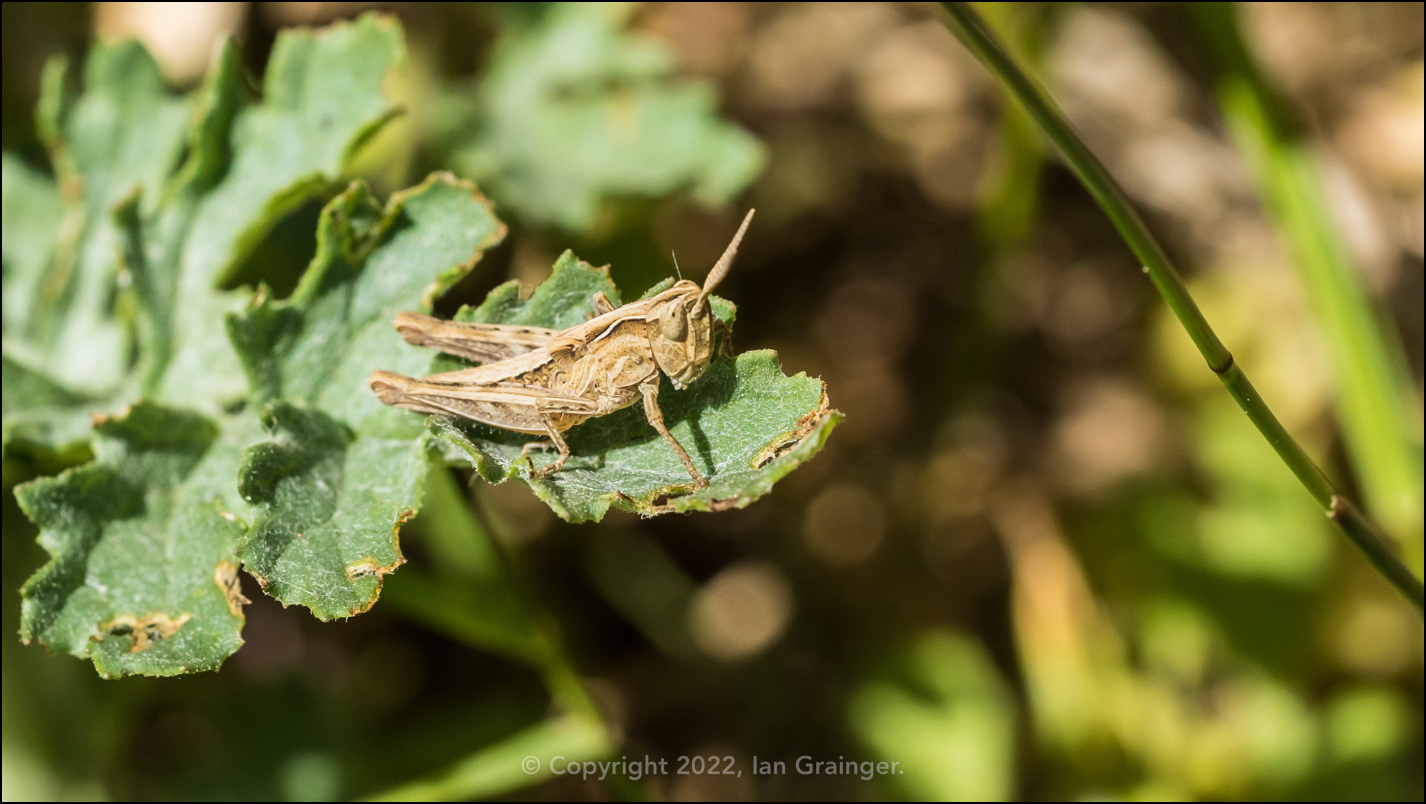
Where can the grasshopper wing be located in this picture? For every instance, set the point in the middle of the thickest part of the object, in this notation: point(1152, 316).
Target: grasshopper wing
point(526, 409)
point(483, 343)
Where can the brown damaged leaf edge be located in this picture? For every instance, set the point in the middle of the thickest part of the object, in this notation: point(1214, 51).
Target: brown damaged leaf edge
point(653, 504)
point(225, 575)
point(659, 501)
point(662, 504)
point(368, 567)
point(146, 632)
point(97, 420)
point(788, 441)
point(726, 503)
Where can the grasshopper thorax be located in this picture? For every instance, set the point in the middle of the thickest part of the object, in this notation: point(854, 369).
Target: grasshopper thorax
point(680, 327)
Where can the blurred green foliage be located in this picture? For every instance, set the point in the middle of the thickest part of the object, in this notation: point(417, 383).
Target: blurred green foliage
point(1044, 557)
point(951, 720)
point(1371, 397)
point(574, 110)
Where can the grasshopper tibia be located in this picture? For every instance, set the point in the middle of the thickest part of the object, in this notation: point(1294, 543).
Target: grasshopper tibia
point(650, 391)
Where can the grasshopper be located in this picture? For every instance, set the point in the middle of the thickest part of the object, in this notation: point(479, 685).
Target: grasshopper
point(536, 380)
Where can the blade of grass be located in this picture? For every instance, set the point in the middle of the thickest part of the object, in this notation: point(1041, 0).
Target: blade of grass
point(1369, 393)
point(967, 25)
point(501, 768)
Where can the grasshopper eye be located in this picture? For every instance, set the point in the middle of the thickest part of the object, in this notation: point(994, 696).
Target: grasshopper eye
point(675, 325)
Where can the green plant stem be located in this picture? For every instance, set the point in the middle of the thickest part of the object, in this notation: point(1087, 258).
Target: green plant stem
point(473, 600)
point(1369, 392)
point(967, 25)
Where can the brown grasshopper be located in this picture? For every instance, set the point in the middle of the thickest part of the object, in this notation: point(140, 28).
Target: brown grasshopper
point(537, 380)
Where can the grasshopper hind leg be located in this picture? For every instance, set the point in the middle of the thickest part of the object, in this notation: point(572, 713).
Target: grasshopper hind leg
point(556, 441)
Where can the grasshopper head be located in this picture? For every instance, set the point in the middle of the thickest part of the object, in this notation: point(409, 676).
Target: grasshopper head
point(681, 322)
point(681, 333)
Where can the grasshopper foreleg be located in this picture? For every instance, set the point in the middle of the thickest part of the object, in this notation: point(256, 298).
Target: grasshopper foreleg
point(650, 389)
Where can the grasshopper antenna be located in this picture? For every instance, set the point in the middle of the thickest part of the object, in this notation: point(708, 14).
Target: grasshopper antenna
point(720, 268)
point(675, 265)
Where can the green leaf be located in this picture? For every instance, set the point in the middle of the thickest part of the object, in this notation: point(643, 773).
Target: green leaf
point(323, 97)
point(575, 110)
point(122, 136)
point(30, 212)
point(125, 525)
point(246, 166)
point(153, 242)
point(43, 420)
point(328, 510)
point(745, 423)
point(341, 471)
point(148, 240)
point(562, 301)
point(143, 578)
